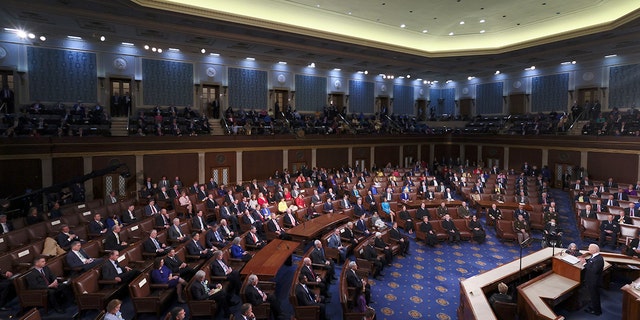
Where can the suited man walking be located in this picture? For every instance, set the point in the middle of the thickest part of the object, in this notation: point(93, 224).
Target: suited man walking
point(592, 277)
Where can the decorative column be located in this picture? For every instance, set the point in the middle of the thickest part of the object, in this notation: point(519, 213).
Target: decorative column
point(46, 165)
point(372, 155)
point(238, 165)
point(401, 154)
point(285, 158)
point(314, 153)
point(201, 169)
point(350, 156)
point(545, 157)
point(583, 160)
point(88, 184)
point(505, 161)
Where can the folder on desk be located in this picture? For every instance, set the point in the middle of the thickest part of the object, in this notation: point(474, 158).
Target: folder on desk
point(570, 259)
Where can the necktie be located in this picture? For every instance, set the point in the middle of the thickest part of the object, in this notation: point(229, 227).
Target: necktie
point(117, 237)
point(46, 281)
point(197, 245)
point(131, 215)
point(153, 209)
point(262, 294)
point(224, 266)
point(253, 236)
point(217, 236)
point(633, 214)
point(293, 220)
point(308, 293)
point(179, 233)
point(156, 243)
point(80, 256)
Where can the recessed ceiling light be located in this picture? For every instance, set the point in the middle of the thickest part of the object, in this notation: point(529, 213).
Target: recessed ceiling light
point(154, 49)
point(159, 50)
point(425, 31)
point(103, 38)
point(470, 77)
point(10, 30)
point(400, 77)
point(282, 62)
point(312, 65)
point(497, 72)
point(174, 49)
point(530, 68)
point(318, 5)
point(21, 34)
point(127, 44)
point(403, 25)
point(482, 21)
point(251, 58)
point(434, 81)
point(74, 37)
point(408, 76)
point(43, 38)
point(214, 54)
point(337, 69)
point(366, 72)
point(482, 31)
point(424, 82)
point(146, 47)
point(450, 33)
point(448, 81)
point(461, 22)
point(31, 35)
point(203, 50)
point(349, 12)
point(611, 55)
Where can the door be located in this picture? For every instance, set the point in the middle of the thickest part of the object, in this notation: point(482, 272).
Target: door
point(281, 102)
point(337, 100)
point(586, 98)
point(384, 105)
point(296, 166)
point(360, 164)
point(465, 107)
point(210, 100)
point(422, 110)
point(7, 91)
point(121, 101)
point(114, 182)
point(561, 169)
point(517, 103)
point(221, 175)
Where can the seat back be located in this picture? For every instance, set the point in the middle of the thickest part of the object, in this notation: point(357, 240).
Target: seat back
point(504, 310)
point(86, 283)
point(17, 238)
point(140, 286)
point(32, 314)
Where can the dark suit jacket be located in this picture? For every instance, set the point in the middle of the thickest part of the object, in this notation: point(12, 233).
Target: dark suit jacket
point(173, 233)
point(63, 240)
point(159, 221)
point(148, 211)
point(249, 239)
point(593, 270)
point(287, 220)
point(126, 219)
point(95, 227)
point(109, 272)
point(9, 225)
point(36, 281)
point(173, 265)
point(111, 243)
point(252, 296)
point(216, 269)
point(303, 298)
point(211, 241)
point(196, 225)
point(370, 253)
point(192, 248)
point(318, 256)
point(198, 291)
point(149, 246)
point(449, 225)
point(353, 280)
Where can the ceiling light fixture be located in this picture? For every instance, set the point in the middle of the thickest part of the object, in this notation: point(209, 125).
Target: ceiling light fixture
point(366, 72)
point(403, 25)
point(337, 69)
point(174, 49)
point(482, 21)
point(450, 33)
point(448, 81)
point(31, 35)
point(43, 38)
point(470, 77)
point(10, 30)
point(461, 22)
point(251, 58)
point(282, 62)
point(214, 54)
point(146, 47)
point(159, 50)
point(128, 44)
point(425, 82)
point(74, 37)
point(203, 50)
point(425, 31)
point(21, 34)
point(312, 65)
point(482, 31)
point(497, 72)
point(530, 68)
point(154, 49)
point(103, 38)
point(611, 55)
point(408, 76)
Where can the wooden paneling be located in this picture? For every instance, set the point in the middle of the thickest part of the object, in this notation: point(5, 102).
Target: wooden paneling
point(425, 152)
point(171, 165)
point(362, 153)
point(493, 152)
point(100, 162)
point(387, 154)
point(410, 151)
point(518, 156)
point(332, 157)
point(620, 167)
point(471, 154)
point(64, 169)
point(448, 152)
point(557, 156)
point(260, 164)
point(18, 175)
point(218, 160)
point(298, 156)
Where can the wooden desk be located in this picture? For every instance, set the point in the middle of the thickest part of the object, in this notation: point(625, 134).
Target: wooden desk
point(266, 262)
point(504, 205)
point(630, 302)
point(309, 230)
point(431, 203)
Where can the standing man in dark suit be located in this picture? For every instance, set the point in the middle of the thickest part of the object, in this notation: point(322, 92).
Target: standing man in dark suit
point(41, 277)
point(318, 257)
point(592, 277)
point(354, 280)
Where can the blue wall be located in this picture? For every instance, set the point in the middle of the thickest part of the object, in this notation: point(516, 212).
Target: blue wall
point(403, 101)
point(248, 89)
point(62, 75)
point(549, 93)
point(361, 96)
point(443, 100)
point(489, 98)
point(311, 93)
point(624, 86)
point(167, 82)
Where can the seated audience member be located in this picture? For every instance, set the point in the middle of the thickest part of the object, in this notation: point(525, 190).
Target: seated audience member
point(609, 228)
point(335, 242)
point(175, 232)
point(237, 252)
point(111, 270)
point(523, 231)
point(386, 249)
point(113, 220)
point(177, 313)
point(112, 312)
point(33, 217)
point(220, 269)
point(162, 220)
point(201, 289)
point(477, 231)
point(177, 266)
point(318, 257)
point(128, 217)
point(161, 274)
point(494, 214)
point(573, 250)
point(386, 208)
point(5, 226)
point(255, 296)
point(396, 236)
point(198, 223)
point(305, 297)
point(553, 233)
point(41, 277)
point(214, 238)
point(151, 209)
point(153, 245)
point(275, 227)
point(96, 226)
point(195, 248)
point(501, 295)
point(66, 237)
point(185, 202)
point(377, 222)
point(369, 253)
point(78, 258)
point(327, 207)
point(632, 248)
point(7, 290)
point(112, 240)
point(450, 228)
point(427, 228)
point(252, 238)
point(463, 211)
point(408, 222)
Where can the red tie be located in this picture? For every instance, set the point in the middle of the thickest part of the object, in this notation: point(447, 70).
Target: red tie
point(255, 239)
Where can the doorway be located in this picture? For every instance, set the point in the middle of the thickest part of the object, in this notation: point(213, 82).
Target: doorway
point(337, 100)
point(120, 93)
point(281, 103)
point(517, 103)
point(221, 175)
point(7, 80)
point(422, 110)
point(384, 106)
point(210, 100)
point(465, 107)
point(562, 169)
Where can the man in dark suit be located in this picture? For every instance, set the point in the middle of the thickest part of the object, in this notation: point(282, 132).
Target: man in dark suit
point(588, 213)
point(354, 280)
point(211, 202)
point(255, 296)
point(609, 228)
point(275, 227)
point(212, 184)
point(348, 234)
point(633, 249)
point(7, 290)
point(5, 226)
point(220, 269)
point(66, 237)
point(78, 258)
point(316, 279)
point(41, 277)
point(290, 220)
point(153, 245)
point(96, 226)
point(202, 290)
point(369, 253)
point(386, 249)
point(430, 236)
point(175, 232)
point(396, 236)
point(253, 239)
point(177, 266)
point(358, 208)
point(305, 297)
point(450, 228)
point(128, 217)
point(592, 277)
point(195, 248)
point(198, 223)
point(162, 219)
point(112, 240)
point(213, 237)
point(318, 257)
point(361, 226)
point(225, 213)
point(611, 201)
point(151, 209)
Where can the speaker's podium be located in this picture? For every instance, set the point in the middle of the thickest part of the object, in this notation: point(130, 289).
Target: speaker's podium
point(538, 296)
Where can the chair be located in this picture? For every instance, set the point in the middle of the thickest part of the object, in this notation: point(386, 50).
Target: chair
point(148, 297)
point(463, 228)
point(627, 233)
point(262, 311)
point(200, 307)
point(589, 228)
point(504, 310)
point(536, 220)
point(505, 230)
point(301, 312)
point(91, 292)
point(32, 314)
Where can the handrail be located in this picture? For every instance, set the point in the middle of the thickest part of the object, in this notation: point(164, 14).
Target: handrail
point(580, 116)
point(394, 125)
point(347, 123)
point(225, 125)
